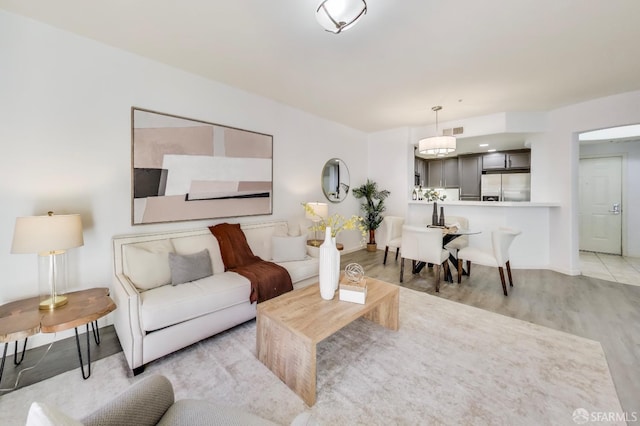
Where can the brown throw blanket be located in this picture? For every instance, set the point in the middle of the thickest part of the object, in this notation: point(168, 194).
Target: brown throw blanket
point(268, 280)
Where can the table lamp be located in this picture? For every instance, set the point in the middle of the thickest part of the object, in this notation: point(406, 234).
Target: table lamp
point(320, 213)
point(49, 236)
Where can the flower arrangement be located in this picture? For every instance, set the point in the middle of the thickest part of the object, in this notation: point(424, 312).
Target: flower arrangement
point(433, 195)
point(336, 222)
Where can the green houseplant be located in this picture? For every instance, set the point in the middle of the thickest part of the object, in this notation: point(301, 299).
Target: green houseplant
point(373, 206)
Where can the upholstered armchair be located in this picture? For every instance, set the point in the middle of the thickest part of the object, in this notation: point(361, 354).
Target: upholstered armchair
point(151, 402)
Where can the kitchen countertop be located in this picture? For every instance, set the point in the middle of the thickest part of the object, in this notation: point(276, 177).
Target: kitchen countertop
point(489, 203)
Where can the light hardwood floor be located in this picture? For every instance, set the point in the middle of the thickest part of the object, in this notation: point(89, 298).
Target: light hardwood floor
point(608, 312)
point(605, 311)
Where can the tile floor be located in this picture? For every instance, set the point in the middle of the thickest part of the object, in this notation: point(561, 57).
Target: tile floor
point(611, 267)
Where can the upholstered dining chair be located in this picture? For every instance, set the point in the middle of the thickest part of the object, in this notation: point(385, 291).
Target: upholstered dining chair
point(460, 242)
point(496, 256)
point(422, 244)
point(393, 226)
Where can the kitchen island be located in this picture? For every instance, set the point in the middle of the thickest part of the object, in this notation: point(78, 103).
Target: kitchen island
point(529, 251)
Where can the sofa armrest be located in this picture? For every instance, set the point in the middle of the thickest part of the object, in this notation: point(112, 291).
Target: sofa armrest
point(127, 319)
point(142, 404)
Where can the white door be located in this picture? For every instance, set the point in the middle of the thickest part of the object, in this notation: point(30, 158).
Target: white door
point(600, 204)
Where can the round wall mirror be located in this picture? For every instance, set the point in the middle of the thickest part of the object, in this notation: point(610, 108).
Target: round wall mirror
point(335, 180)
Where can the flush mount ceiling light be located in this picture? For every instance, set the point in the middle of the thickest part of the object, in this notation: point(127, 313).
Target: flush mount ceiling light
point(336, 16)
point(437, 145)
point(622, 132)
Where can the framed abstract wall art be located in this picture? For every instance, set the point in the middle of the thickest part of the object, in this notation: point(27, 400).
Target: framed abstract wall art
point(185, 169)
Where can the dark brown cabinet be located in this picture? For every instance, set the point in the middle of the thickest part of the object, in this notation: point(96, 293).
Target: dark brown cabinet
point(443, 173)
point(420, 169)
point(494, 161)
point(470, 172)
point(519, 160)
point(507, 160)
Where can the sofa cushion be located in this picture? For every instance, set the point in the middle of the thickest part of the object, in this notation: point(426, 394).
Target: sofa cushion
point(287, 249)
point(147, 264)
point(189, 267)
point(194, 244)
point(302, 269)
point(168, 305)
point(259, 239)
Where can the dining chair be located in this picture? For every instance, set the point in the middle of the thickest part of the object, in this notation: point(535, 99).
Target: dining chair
point(422, 244)
point(497, 256)
point(460, 242)
point(393, 225)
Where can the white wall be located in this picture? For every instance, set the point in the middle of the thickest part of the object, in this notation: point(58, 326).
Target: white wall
point(631, 191)
point(560, 150)
point(65, 131)
point(391, 166)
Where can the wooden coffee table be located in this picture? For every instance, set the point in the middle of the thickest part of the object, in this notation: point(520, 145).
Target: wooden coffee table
point(289, 327)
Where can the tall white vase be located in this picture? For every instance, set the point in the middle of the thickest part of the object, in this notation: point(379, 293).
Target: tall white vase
point(336, 260)
point(327, 266)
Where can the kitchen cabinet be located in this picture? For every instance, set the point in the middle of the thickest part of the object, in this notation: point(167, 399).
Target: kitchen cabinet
point(494, 161)
point(507, 160)
point(450, 173)
point(443, 173)
point(420, 168)
point(470, 172)
point(519, 160)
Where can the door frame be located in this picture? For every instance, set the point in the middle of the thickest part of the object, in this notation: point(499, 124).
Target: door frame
point(623, 188)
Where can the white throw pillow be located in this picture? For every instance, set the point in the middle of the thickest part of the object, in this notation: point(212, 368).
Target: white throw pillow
point(287, 249)
point(41, 414)
point(147, 264)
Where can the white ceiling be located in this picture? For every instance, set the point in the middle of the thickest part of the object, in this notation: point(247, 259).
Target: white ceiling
point(473, 57)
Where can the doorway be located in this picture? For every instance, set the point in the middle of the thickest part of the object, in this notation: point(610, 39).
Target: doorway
point(600, 198)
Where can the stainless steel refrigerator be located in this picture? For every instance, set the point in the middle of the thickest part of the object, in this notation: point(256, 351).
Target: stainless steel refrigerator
point(506, 187)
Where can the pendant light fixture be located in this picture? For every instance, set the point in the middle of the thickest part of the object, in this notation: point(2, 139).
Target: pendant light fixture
point(336, 16)
point(437, 145)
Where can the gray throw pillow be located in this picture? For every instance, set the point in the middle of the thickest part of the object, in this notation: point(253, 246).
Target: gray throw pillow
point(189, 267)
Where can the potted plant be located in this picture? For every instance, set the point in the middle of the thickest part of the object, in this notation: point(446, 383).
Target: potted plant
point(372, 207)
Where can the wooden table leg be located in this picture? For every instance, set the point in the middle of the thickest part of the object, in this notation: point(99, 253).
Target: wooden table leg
point(386, 313)
point(289, 356)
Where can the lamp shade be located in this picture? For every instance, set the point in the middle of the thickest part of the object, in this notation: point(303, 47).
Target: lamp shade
point(437, 145)
point(321, 211)
point(336, 16)
point(46, 234)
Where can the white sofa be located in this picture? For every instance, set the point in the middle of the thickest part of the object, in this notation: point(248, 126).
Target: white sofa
point(154, 318)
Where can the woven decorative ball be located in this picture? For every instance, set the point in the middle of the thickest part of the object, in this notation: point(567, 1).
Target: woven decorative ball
point(354, 272)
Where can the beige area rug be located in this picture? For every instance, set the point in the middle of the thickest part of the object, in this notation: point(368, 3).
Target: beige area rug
point(448, 364)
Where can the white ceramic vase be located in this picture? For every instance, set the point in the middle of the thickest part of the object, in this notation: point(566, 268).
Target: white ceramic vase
point(336, 260)
point(327, 265)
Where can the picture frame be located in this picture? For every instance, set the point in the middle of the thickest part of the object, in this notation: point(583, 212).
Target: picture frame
point(186, 169)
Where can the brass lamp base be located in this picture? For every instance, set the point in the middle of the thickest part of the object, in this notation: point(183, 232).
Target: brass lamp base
point(314, 243)
point(52, 303)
